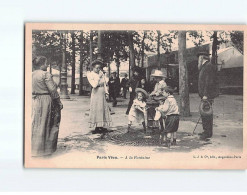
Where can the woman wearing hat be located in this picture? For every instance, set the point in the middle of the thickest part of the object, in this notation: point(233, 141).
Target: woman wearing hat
point(160, 83)
point(99, 116)
point(138, 109)
point(46, 108)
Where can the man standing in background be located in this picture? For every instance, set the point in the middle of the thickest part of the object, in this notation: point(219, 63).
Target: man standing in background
point(134, 83)
point(113, 88)
point(207, 91)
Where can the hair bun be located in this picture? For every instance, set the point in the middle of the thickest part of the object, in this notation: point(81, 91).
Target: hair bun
point(39, 60)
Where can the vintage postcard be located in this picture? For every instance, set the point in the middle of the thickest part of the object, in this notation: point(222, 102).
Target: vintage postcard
point(135, 96)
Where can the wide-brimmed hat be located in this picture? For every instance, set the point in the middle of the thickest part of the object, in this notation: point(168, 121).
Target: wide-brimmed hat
point(142, 91)
point(158, 73)
point(203, 53)
point(97, 61)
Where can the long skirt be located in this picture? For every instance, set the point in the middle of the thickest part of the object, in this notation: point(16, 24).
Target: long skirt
point(99, 110)
point(46, 118)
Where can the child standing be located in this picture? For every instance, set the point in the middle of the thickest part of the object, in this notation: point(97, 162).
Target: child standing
point(138, 109)
point(168, 109)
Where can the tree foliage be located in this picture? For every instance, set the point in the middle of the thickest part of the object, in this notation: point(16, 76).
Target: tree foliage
point(237, 38)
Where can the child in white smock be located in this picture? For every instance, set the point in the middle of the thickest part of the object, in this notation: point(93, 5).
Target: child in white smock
point(138, 109)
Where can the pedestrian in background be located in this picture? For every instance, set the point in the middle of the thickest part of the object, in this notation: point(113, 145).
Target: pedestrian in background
point(143, 85)
point(113, 88)
point(125, 85)
point(133, 83)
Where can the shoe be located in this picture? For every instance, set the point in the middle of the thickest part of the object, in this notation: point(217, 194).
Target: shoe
point(103, 130)
point(204, 137)
point(174, 142)
point(161, 139)
point(128, 130)
point(168, 143)
point(96, 130)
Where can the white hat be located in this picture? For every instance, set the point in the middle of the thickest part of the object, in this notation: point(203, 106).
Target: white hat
point(158, 73)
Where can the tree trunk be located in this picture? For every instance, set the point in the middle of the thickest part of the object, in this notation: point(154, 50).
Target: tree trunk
point(214, 49)
point(91, 50)
point(73, 64)
point(100, 51)
point(131, 52)
point(81, 66)
point(118, 65)
point(64, 85)
point(214, 60)
point(143, 48)
point(108, 69)
point(158, 51)
point(60, 70)
point(138, 58)
point(183, 75)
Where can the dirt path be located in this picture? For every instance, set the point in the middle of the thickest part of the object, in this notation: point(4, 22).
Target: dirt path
point(75, 136)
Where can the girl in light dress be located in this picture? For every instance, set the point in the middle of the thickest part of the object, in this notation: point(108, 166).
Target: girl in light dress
point(138, 109)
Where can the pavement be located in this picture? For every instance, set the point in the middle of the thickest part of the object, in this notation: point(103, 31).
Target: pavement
point(75, 134)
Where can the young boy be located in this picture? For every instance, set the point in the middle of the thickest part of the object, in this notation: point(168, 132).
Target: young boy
point(168, 109)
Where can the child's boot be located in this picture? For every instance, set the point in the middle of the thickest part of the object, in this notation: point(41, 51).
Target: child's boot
point(144, 126)
point(128, 130)
point(174, 142)
point(161, 139)
point(168, 143)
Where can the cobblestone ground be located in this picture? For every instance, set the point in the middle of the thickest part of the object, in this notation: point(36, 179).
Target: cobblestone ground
point(75, 134)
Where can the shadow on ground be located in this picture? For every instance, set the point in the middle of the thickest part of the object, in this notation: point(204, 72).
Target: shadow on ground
point(119, 136)
point(79, 142)
point(136, 137)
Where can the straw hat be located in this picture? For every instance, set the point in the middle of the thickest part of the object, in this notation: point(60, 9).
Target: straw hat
point(205, 108)
point(158, 73)
point(142, 91)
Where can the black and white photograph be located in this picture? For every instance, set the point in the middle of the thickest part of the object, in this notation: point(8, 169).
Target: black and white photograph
point(134, 96)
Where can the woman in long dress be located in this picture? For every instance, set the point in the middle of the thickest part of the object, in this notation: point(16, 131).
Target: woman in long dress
point(99, 116)
point(46, 110)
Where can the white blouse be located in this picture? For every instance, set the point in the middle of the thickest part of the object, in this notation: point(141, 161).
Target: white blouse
point(97, 80)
